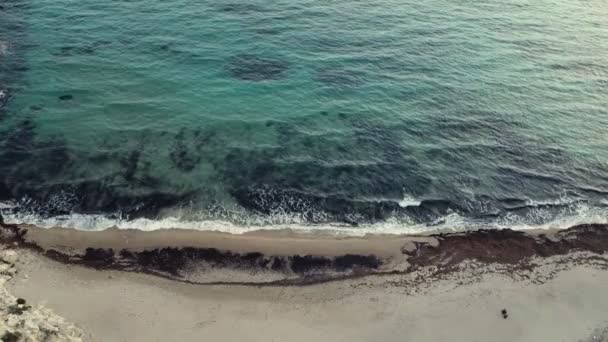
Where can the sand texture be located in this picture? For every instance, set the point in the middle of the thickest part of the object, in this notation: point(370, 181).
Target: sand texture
point(193, 286)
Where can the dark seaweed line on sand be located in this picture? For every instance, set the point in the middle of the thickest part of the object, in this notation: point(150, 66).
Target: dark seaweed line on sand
point(507, 247)
point(168, 262)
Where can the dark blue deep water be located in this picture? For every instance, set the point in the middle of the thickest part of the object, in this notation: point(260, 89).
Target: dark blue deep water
point(363, 116)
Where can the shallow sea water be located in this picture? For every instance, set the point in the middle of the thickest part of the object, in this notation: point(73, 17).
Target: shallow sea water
point(363, 115)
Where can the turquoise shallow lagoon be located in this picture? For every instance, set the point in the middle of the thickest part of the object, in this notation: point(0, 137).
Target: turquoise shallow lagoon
point(450, 114)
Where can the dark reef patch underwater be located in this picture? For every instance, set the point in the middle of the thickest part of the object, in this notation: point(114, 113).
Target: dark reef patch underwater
point(253, 68)
point(265, 114)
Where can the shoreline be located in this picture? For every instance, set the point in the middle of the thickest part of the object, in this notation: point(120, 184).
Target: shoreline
point(295, 258)
point(487, 302)
point(447, 224)
point(479, 285)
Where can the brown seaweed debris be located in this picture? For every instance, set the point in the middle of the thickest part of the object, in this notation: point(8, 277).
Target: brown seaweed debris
point(175, 263)
point(15, 233)
point(507, 246)
point(513, 248)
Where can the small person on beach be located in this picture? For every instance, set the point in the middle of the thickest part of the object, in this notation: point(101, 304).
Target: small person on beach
point(504, 313)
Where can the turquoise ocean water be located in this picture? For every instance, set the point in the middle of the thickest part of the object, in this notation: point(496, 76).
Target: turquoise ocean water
point(361, 115)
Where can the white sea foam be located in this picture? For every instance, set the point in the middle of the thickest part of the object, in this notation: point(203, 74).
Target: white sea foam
point(408, 201)
point(559, 201)
point(536, 218)
point(3, 48)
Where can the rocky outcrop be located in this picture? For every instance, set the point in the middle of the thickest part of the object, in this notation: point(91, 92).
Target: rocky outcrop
point(20, 321)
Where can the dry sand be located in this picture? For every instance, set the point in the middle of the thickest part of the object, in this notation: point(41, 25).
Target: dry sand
point(162, 286)
point(567, 305)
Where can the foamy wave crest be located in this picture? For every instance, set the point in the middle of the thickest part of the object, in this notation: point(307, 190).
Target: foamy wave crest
point(3, 48)
point(539, 217)
point(409, 201)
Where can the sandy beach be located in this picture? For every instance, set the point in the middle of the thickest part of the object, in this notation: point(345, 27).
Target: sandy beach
point(553, 293)
point(303, 171)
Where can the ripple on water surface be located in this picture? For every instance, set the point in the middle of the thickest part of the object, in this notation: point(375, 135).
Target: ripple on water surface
point(362, 116)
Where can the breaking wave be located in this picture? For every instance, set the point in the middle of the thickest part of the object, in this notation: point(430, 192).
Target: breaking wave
point(557, 214)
